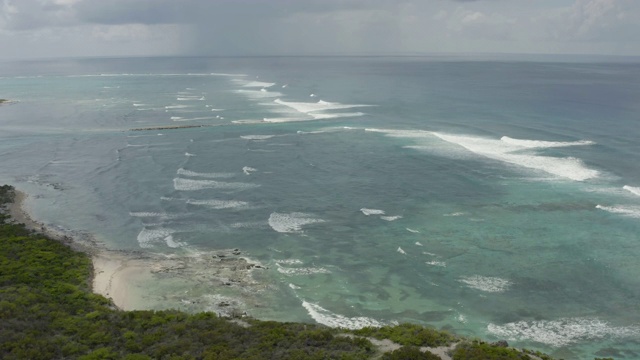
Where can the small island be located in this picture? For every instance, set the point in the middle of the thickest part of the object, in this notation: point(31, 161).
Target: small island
point(2, 101)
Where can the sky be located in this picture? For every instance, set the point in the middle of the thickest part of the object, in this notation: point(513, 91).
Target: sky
point(72, 28)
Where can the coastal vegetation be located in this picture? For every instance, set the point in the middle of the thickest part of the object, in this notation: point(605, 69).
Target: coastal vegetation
point(47, 311)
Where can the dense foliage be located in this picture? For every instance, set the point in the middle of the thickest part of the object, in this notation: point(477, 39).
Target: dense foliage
point(47, 311)
point(409, 335)
point(409, 352)
point(478, 350)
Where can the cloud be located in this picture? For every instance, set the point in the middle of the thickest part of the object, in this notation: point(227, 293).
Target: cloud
point(33, 14)
point(594, 20)
point(242, 27)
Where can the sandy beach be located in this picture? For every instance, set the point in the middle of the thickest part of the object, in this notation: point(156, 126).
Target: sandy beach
point(125, 276)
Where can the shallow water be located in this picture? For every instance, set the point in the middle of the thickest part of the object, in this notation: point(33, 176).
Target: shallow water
point(497, 199)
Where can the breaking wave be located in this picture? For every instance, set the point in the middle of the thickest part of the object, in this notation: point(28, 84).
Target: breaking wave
point(185, 172)
point(561, 332)
point(182, 184)
point(326, 317)
point(291, 223)
point(485, 283)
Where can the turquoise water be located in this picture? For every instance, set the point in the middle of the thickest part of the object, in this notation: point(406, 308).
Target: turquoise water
point(497, 199)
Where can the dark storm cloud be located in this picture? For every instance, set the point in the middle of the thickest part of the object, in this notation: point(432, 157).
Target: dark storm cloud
point(136, 11)
point(188, 11)
point(227, 27)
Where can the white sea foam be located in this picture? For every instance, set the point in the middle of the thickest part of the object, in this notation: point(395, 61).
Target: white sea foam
point(322, 116)
point(172, 243)
point(284, 119)
point(174, 118)
point(314, 107)
point(409, 134)
point(302, 270)
point(194, 119)
point(257, 84)
point(182, 184)
point(289, 262)
point(455, 214)
point(219, 204)
point(226, 74)
point(247, 170)
point(562, 332)
point(570, 168)
point(147, 214)
point(258, 94)
point(311, 132)
point(436, 263)
point(633, 190)
point(148, 237)
point(486, 283)
point(372, 211)
point(461, 318)
point(185, 172)
point(294, 287)
point(391, 218)
point(191, 98)
point(418, 243)
point(171, 107)
point(401, 251)
point(187, 154)
point(326, 317)
point(292, 222)
point(413, 231)
point(512, 151)
point(257, 137)
point(628, 211)
point(543, 144)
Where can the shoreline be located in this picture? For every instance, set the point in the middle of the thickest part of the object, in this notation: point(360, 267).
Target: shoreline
point(110, 269)
point(124, 276)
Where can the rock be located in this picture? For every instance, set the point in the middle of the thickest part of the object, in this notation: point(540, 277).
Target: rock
point(501, 343)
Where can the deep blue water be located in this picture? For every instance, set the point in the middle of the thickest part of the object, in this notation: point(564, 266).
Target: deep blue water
point(498, 199)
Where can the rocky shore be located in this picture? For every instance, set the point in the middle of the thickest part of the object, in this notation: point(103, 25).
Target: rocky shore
point(125, 276)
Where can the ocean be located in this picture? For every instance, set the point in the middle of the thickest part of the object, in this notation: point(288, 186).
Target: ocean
point(494, 198)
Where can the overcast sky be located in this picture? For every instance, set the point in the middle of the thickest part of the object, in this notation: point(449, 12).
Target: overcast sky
point(57, 28)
